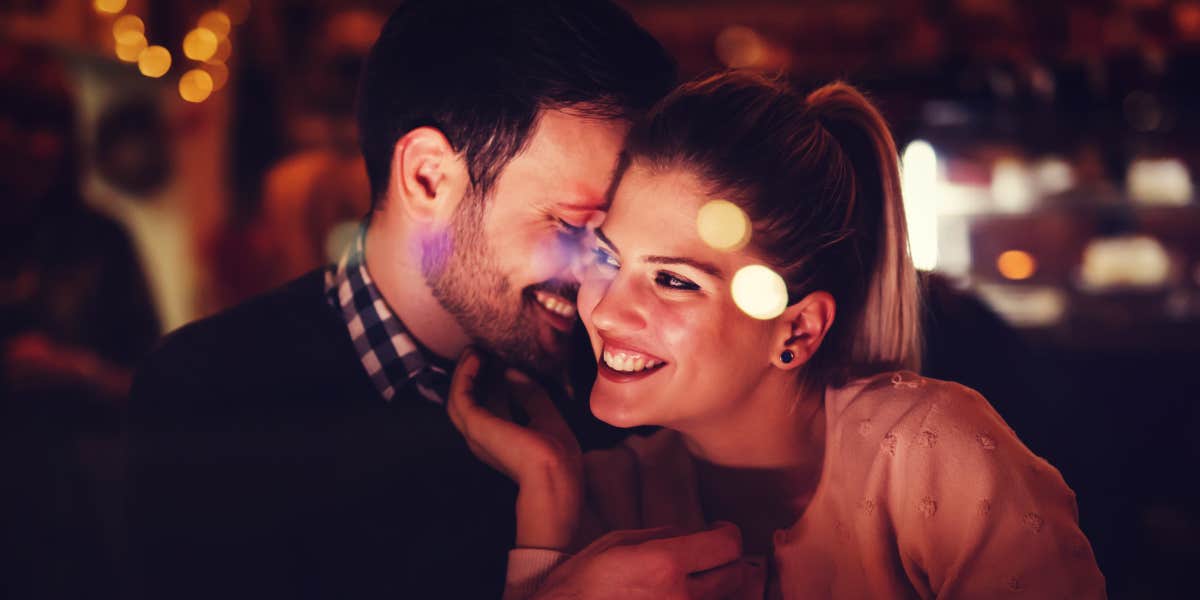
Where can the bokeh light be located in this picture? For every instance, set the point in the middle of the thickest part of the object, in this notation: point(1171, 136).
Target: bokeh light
point(921, 188)
point(224, 50)
point(740, 47)
point(760, 292)
point(216, 22)
point(219, 73)
point(154, 61)
point(128, 23)
point(195, 85)
point(111, 7)
point(1016, 265)
point(723, 225)
point(130, 45)
point(200, 44)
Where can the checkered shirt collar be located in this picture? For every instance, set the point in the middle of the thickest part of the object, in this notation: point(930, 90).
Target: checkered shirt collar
point(391, 356)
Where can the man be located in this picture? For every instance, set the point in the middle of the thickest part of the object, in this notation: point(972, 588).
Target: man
point(297, 445)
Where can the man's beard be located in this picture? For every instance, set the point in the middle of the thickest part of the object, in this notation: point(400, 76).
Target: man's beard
point(461, 270)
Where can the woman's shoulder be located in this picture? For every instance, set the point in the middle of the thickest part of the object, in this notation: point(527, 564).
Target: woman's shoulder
point(908, 406)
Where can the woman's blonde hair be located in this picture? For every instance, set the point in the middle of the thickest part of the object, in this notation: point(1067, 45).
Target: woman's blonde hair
point(819, 178)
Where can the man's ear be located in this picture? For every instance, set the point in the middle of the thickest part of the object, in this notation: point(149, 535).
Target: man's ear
point(428, 178)
point(802, 328)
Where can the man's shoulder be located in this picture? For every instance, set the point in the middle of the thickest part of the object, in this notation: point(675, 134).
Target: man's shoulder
point(286, 328)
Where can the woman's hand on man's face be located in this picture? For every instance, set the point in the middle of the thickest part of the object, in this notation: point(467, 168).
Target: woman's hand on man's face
point(543, 457)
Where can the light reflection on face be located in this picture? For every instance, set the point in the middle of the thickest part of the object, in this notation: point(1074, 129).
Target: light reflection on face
point(658, 294)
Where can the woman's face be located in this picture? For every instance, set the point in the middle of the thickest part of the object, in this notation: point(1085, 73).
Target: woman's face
point(673, 347)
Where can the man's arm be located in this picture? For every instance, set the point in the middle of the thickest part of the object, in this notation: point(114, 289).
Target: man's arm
point(197, 527)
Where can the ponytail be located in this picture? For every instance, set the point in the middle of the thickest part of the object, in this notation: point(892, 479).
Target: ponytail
point(888, 330)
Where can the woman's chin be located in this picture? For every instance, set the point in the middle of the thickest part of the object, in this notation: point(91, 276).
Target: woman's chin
point(615, 411)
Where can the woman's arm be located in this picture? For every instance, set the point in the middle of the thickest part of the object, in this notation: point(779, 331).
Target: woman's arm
point(543, 458)
point(979, 516)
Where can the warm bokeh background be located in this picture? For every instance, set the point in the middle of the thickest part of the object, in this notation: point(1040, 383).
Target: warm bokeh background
point(1049, 149)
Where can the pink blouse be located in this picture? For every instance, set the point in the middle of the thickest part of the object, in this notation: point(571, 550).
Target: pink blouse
point(925, 493)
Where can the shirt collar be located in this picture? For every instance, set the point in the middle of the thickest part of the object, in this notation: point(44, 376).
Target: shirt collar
point(392, 358)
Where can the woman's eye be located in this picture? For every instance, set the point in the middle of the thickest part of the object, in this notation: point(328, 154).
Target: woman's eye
point(674, 282)
point(605, 260)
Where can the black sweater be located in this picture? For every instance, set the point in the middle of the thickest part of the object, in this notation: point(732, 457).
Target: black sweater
point(264, 464)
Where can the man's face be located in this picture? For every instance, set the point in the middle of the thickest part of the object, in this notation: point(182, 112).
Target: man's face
point(505, 271)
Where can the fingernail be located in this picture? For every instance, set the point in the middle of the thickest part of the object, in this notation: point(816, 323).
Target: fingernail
point(516, 376)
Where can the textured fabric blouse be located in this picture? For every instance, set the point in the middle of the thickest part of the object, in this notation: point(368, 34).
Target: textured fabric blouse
point(925, 492)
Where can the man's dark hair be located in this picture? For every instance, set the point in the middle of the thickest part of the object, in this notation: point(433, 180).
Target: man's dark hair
point(481, 70)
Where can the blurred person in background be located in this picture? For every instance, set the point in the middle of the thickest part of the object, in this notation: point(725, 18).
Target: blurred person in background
point(75, 316)
point(308, 194)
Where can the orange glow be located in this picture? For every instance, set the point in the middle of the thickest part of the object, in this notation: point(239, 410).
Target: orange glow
point(128, 23)
point(224, 49)
point(1016, 265)
point(219, 73)
point(195, 85)
point(130, 45)
point(154, 61)
point(200, 44)
point(111, 7)
point(237, 10)
point(216, 22)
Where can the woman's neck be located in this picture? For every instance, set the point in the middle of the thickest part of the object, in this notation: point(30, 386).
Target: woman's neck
point(759, 468)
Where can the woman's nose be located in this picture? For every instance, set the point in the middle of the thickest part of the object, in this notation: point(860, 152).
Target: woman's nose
point(621, 308)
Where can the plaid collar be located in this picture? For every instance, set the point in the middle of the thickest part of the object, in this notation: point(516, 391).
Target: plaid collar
point(392, 358)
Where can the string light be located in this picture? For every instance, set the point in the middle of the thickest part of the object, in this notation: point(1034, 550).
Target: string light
point(216, 22)
point(195, 85)
point(154, 61)
point(111, 7)
point(208, 43)
point(200, 44)
point(130, 45)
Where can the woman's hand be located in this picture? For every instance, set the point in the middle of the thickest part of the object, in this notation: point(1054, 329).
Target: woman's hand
point(543, 458)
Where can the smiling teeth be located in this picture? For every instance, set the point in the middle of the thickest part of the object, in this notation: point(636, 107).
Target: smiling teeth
point(555, 304)
point(628, 363)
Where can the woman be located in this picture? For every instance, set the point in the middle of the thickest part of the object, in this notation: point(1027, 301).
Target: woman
point(804, 425)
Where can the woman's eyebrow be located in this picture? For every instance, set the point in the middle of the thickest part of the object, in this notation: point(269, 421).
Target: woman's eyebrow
point(709, 268)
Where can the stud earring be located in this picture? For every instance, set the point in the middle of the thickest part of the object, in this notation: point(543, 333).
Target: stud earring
point(787, 356)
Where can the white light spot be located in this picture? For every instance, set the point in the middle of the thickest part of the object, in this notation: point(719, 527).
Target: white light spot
point(921, 189)
point(760, 292)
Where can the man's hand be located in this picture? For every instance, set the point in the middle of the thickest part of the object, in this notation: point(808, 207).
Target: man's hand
point(650, 564)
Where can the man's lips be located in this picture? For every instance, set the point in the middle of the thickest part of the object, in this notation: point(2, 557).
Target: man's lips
point(556, 309)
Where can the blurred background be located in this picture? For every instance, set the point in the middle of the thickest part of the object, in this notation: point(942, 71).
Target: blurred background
point(160, 161)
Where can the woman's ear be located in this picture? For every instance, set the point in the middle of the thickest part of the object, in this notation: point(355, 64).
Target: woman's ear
point(428, 178)
point(802, 328)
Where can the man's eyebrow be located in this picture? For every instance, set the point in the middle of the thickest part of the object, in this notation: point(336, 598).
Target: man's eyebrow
point(709, 268)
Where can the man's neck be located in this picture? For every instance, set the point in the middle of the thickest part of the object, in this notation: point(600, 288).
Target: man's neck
point(393, 257)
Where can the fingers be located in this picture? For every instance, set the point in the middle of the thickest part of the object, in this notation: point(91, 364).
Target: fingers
point(719, 583)
point(704, 550)
point(462, 383)
point(543, 414)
